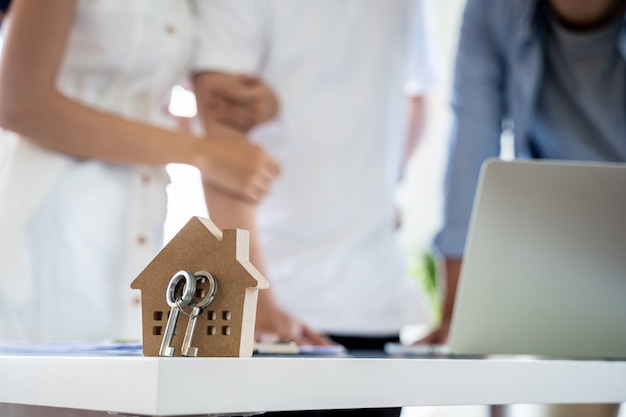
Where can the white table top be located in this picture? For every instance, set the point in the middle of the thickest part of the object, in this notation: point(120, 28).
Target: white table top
point(175, 386)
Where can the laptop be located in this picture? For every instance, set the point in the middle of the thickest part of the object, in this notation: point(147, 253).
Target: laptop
point(544, 271)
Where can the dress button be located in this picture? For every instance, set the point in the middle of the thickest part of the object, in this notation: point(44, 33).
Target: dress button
point(136, 301)
point(145, 178)
point(141, 239)
point(170, 29)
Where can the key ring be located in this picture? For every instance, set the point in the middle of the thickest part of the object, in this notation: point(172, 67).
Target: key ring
point(208, 299)
point(210, 293)
point(189, 290)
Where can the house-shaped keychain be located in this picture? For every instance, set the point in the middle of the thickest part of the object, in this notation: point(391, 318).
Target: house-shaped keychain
point(225, 327)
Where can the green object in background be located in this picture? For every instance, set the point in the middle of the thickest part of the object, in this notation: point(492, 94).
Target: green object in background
point(425, 269)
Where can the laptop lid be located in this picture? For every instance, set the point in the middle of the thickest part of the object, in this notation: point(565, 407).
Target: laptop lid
point(544, 270)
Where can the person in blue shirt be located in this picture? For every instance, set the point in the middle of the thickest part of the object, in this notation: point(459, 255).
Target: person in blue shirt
point(551, 71)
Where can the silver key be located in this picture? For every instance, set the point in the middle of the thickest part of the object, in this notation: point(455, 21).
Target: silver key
point(176, 304)
point(196, 310)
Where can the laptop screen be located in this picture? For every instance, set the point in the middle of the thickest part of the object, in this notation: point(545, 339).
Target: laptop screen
point(544, 271)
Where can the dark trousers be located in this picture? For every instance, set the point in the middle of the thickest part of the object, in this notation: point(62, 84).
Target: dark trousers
point(352, 344)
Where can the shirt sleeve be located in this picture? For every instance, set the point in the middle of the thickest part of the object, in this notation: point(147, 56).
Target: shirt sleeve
point(422, 65)
point(478, 109)
point(229, 36)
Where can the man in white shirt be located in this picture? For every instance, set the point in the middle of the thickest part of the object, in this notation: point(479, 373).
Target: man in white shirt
point(345, 74)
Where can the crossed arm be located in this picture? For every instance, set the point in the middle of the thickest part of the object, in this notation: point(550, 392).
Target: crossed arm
point(31, 106)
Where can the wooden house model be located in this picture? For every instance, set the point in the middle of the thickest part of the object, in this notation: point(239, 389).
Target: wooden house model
point(226, 326)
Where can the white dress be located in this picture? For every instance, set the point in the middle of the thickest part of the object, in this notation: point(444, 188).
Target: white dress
point(75, 232)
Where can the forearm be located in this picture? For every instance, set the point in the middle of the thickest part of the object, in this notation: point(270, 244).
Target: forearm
point(229, 212)
point(453, 269)
point(228, 160)
point(416, 124)
point(61, 124)
point(226, 211)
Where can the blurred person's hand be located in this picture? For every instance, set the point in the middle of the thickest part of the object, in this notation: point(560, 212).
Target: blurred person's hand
point(438, 336)
point(233, 164)
point(274, 325)
point(239, 101)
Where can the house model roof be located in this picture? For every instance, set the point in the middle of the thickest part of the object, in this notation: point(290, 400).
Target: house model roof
point(226, 326)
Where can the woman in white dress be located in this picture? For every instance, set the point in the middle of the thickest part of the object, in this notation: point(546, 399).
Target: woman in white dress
point(82, 155)
point(82, 152)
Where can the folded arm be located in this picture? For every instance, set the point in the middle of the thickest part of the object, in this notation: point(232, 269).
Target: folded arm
point(31, 105)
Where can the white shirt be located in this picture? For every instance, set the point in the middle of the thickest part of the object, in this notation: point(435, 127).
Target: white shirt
point(340, 69)
point(76, 232)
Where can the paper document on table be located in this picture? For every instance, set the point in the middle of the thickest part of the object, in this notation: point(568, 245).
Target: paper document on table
point(291, 348)
point(8, 347)
point(71, 348)
point(416, 350)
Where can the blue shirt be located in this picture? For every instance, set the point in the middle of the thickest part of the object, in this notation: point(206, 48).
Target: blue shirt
point(516, 67)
